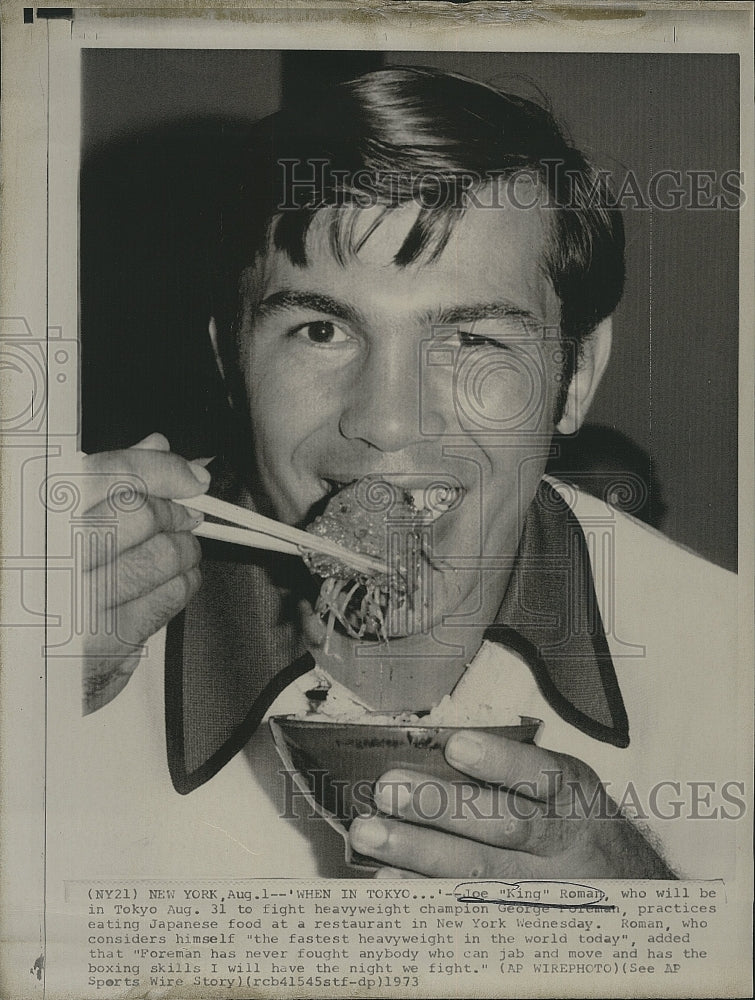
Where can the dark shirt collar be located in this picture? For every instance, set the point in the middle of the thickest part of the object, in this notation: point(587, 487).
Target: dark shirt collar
point(550, 615)
point(236, 647)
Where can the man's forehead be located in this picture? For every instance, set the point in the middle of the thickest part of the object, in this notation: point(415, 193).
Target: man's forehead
point(498, 239)
point(509, 209)
point(377, 232)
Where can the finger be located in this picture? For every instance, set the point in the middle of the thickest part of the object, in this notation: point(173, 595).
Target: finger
point(522, 767)
point(153, 442)
point(105, 538)
point(116, 632)
point(146, 615)
point(144, 568)
point(436, 854)
point(490, 815)
point(396, 873)
point(114, 644)
point(102, 679)
point(121, 477)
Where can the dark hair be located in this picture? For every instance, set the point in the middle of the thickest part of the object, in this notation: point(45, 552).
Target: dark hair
point(404, 133)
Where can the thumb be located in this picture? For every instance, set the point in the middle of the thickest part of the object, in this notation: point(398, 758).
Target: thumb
point(153, 442)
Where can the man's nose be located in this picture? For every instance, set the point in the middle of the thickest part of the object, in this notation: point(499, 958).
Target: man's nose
point(385, 405)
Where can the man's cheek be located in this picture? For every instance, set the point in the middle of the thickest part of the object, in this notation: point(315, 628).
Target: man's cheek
point(502, 395)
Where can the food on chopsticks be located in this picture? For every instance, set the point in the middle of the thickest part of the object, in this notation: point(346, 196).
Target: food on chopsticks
point(359, 518)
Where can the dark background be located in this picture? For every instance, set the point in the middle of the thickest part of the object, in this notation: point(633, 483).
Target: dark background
point(161, 125)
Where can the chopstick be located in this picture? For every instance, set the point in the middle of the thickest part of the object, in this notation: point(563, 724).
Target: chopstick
point(266, 533)
point(245, 536)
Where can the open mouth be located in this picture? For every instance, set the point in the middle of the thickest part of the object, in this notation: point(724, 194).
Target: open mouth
point(429, 501)
point(435, 501)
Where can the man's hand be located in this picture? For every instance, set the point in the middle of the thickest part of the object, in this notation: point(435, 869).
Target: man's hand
point(139, 576)
point(550, 819)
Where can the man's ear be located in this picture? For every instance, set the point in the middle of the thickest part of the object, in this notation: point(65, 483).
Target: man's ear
point(596, 351)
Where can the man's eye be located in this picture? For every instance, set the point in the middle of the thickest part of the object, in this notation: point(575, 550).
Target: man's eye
point(321, 331)
point(468, 339)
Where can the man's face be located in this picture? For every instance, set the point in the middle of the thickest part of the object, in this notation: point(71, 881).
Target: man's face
point(444, 371)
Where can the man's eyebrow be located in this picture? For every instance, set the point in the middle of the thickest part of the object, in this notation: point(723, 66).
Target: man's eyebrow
point(500, 309)
point(315, 301)
point(318, 302)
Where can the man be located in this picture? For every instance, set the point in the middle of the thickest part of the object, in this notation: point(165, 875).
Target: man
point(428, 271)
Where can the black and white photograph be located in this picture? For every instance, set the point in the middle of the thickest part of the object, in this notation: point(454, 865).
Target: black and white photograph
point(396, 526)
